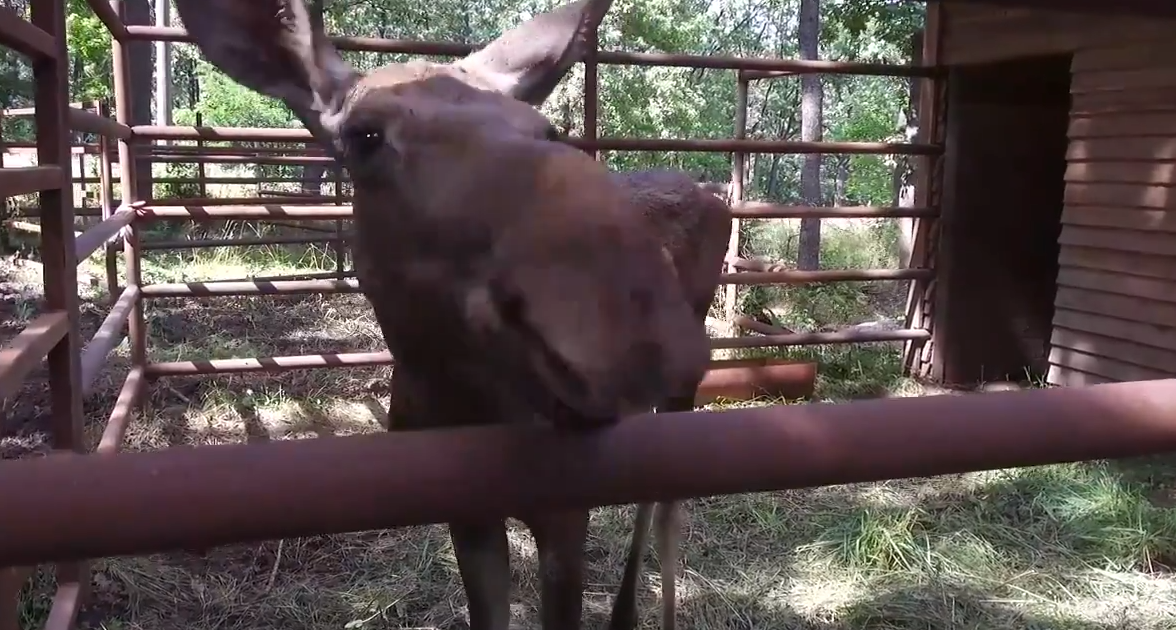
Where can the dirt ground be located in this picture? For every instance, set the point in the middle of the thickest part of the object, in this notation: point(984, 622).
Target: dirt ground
point(1076, 547)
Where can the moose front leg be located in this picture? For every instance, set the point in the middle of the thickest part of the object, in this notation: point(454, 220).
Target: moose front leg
point(559, 542)
point(483, 559)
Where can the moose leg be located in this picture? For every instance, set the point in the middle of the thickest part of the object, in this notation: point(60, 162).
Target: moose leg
point(665, 519)
point(483, 559)
point(624, 611)
point(559, 540)
point(667, 525)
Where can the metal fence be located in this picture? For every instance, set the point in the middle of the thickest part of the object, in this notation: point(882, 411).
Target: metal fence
point(67, 508)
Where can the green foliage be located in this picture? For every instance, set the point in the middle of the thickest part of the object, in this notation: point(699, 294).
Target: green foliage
point(89, 52)
point(226, 103)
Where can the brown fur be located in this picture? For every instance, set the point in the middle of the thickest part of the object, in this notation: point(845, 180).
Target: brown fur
point(513, 277)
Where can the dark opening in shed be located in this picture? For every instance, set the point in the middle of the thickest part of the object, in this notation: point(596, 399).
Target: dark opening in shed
point(1004, 183)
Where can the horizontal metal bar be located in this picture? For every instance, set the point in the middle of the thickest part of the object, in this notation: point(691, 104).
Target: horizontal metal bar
point(237, 159)
point(109, 18)
point(26, 180)
point(263, 210)
point(124, 411)
point(26, 350)
point(90, 122)
point(762, 210)
point(447, 49)
point(22, 36)
point(744, 210)
point(268, 364)
point(77, 507)
point(90, 240)
point(107, 337)
point(832, 275)
point(258, 134)
point(308, 200)
point(240, 242)
point(756, 146)
point(820, 338)
point(259, 287)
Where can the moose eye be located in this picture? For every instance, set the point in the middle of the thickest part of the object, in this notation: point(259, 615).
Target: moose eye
point(363, 142)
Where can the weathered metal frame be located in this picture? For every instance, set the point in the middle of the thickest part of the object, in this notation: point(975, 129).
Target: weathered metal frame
point(238, 493)
point(763, 449)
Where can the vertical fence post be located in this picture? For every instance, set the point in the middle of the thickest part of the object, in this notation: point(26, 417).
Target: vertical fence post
point(136, 326)
point(340, 249)
point(59, 258)
point(592, 93)
point(201, 174)
point(105, 199)
point(917, 356)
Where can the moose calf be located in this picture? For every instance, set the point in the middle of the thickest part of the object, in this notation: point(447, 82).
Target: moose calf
point(513, 277)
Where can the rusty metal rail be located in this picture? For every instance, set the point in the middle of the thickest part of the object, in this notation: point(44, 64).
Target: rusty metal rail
point(214, 495)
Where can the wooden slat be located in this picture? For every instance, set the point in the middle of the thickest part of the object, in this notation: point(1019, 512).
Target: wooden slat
point(19, 35)
point(1122, 218)
point(1103, 366)
point(1122, 149)
point(1117, 349)
point(1163, 337)
point(1122, 262)
point(1111, 305)
point(1042, 32)
point(1069, 377)
point(29, 179)
point(1135, 241)
point(1120, 195)
point(1120, 284)
point(1125, 56)
point(1146, 172)
point(1113, 125)
point(1116, 80)
point(26, 350)
point(1158, 99)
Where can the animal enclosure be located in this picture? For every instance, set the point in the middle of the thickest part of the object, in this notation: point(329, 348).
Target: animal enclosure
point(950, 331)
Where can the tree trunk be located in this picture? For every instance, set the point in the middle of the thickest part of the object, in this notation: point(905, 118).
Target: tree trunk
point(811, 96)
point(903, 180)
point(138, 12)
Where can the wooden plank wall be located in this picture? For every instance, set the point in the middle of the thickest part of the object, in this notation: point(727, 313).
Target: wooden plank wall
point(1115, 307)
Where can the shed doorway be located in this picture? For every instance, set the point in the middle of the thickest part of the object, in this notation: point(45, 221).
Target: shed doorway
point(1004, 188)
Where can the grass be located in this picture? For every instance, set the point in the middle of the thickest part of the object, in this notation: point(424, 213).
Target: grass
point(1086, 546)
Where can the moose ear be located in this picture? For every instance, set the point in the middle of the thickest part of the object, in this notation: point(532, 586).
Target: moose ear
point(528, 61)
point(277, 48)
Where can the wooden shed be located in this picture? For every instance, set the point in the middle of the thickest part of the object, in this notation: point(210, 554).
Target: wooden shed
point(1057, 242)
